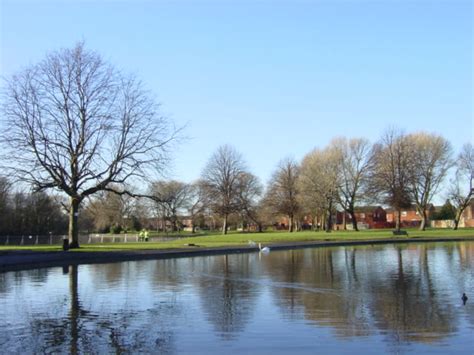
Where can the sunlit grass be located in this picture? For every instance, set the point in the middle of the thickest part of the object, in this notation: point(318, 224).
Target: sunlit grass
point(234, 239)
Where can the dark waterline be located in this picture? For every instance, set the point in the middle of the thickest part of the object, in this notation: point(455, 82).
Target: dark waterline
point(370, 299)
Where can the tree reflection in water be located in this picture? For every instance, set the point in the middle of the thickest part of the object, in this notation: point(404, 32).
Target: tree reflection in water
point(68, 327)
point(401, 301)
point(406, 306)
point(398, 294)
point(336, 300)
point(227, 298)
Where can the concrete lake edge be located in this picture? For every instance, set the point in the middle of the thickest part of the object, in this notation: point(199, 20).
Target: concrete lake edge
point(17, 260)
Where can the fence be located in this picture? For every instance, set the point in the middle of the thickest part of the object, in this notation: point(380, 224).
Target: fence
point(31, 239)
point(444, 223)
point(58, 239)
point(83, 239)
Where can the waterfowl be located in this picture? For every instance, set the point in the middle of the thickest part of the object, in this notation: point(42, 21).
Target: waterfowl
point(264, 249)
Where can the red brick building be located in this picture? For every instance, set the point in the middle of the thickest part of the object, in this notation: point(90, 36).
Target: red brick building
point(409, 216)
point(368, 217)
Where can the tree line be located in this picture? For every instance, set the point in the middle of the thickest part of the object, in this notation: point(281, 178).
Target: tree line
point(399, 170)
point(27, 213)
point(82, 128)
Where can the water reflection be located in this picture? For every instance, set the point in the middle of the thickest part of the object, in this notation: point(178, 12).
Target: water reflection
point(227, 297)
point(68, 326)
point(393, 297)
point(407, 305)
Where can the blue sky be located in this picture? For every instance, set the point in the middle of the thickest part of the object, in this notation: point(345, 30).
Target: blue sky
point(273, 78)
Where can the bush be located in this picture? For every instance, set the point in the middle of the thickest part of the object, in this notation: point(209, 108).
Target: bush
point(115, 229)
point(447, 212)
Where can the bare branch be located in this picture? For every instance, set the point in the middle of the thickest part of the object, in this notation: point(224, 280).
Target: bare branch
point(80, 126)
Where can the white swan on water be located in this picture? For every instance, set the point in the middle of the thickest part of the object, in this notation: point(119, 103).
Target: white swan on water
point(264, 249)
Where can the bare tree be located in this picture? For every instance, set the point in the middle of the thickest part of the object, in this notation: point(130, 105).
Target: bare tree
point(220, 181)
point(353, 165)
point(5, 206)
point(172, 197)
point(109, 211)
point(250, 190)
point(318, 182)
point(390, 171)
point(461, 191)
point(195, 206)
point(78, 125)
point(432, 159)
point(283, 191)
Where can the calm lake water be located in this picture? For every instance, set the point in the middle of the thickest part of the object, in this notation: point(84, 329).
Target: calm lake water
point(365, 299)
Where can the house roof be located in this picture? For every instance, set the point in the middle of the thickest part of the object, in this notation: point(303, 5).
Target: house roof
point(365, 209)
point(412, 208)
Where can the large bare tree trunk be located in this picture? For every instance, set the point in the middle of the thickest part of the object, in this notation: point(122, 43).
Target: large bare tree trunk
point(329, 220)
point(224, 225)
point(457, 219)
point(290, 223)
point(424, 219)
point(398, 221)
point(354, 221)
point(174, 224)
point(328, 223)
point(456, 224)
point(73, 226)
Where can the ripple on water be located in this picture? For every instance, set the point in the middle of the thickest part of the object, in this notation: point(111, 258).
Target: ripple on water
point(357, 299)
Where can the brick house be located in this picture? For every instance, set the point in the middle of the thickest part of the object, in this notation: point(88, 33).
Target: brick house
point(368, 217)
point(409, 216)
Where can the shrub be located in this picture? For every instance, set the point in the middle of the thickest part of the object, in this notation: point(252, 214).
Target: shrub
point(115, 229)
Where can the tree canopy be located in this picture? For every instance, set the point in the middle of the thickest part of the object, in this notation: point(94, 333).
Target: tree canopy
point(79, 125)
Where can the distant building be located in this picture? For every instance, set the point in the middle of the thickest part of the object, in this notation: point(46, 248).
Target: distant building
point(368, 217)
point(467, 217)
point(409, 217)
point(466, 220)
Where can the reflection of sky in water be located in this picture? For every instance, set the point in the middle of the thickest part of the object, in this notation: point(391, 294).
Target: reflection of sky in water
point(367, 299)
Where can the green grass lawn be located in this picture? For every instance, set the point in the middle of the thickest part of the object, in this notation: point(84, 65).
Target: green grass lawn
point(267, 238)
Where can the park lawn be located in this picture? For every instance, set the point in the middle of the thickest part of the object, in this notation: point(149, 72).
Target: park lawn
point(235, 239)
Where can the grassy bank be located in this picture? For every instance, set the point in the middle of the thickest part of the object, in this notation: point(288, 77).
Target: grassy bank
point(267, 238)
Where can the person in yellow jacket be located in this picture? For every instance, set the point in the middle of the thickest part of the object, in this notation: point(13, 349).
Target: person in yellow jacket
point(143, 235)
